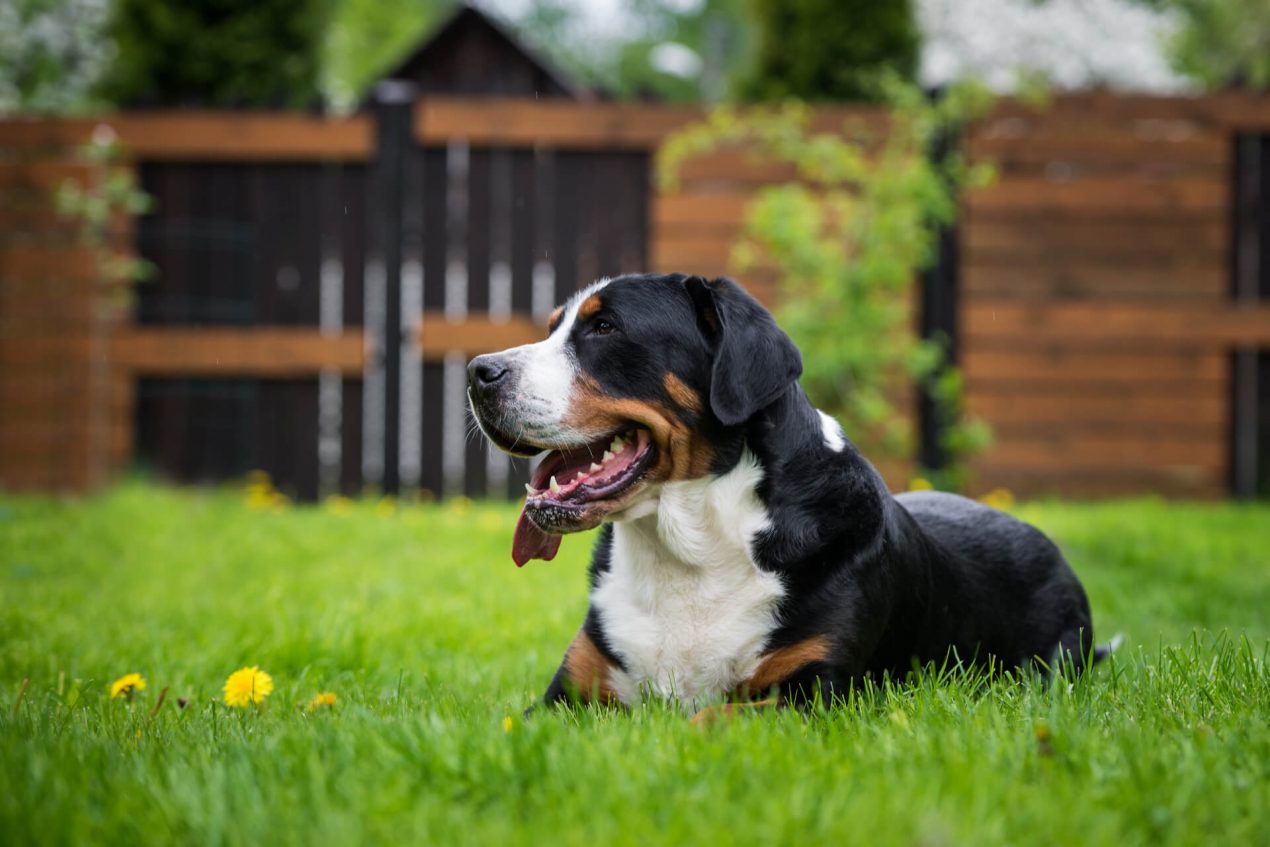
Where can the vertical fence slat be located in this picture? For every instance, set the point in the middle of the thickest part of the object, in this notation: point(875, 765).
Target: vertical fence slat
point(479, 223)
point(436, 186)
point(394, 113)
point(565, 190)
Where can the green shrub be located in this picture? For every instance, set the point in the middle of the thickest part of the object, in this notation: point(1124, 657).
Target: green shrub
point(1223, 42)
point(831, 49)
point(216, 52)
point(847, 239)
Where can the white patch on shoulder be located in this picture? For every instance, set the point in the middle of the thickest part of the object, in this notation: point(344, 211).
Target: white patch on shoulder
point(683, 605)
point(834, 439)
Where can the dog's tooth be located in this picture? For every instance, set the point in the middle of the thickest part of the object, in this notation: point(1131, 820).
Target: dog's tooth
point(554, 486)
point(530, 490)
point(618, 444)
point(594, 467)
point(607, 455)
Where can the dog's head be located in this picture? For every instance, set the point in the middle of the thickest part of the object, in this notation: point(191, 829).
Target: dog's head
point(638, 380)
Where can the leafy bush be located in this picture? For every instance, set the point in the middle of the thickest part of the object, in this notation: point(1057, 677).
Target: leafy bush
point(832, 49)
point(101, 207)
point(1222, 42)
point(51, 53)
point(216, 52)
point(847, 239)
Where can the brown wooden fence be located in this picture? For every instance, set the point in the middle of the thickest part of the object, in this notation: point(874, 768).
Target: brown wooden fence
point(1096, 323)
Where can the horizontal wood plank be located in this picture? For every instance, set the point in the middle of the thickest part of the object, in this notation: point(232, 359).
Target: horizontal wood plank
point(250, 352)
point(1078, 277)
point(207, 136)
point(716, 210)
point(521, 122)
point(1042, 407)
point(475, 335)
point(529, 123)
point(1219, 325)
point(1102, 450)
point(1066, 365)
point(1095, 196)
point(1027, 240)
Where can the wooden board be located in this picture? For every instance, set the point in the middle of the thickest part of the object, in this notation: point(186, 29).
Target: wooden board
point(474, 336)
point(1027, 240)
point(259, 351)
point(1067, 365)
point(1094, 280)
point(1217, 326)
point(208, 136)
point(1040, 406)
point(518, 122)
point(1100, 196)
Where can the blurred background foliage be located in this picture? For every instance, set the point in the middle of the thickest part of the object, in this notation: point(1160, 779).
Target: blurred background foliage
point(831, 49)
point(63, 56)
point(1221, 43)
point(846, 238)
point(216, 53)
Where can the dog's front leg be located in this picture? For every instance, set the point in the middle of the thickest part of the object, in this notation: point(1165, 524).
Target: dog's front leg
point(583, 677)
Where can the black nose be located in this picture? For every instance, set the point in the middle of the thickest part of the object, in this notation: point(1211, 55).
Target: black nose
point(484, 371)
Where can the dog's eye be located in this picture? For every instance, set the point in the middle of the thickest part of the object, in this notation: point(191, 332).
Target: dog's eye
point(602, 327)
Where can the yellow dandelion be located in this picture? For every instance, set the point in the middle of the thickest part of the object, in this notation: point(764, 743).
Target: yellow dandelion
point(998, 498)
point(258, 477)
point(127, 685)
point(249, 685)
point(339, 505)
point(507, 724)
point(919, 483)
point(322, 698)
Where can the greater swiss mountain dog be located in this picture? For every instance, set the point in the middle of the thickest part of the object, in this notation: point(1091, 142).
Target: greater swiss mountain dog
point(748, 549)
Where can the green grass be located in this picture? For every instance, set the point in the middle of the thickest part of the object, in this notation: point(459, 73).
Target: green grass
point(429, 636)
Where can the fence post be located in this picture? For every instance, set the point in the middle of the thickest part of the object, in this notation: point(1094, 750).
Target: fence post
point(394, 110)
point(939, 305)
point(1251, 179)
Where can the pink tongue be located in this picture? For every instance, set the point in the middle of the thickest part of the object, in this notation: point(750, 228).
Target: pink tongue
point(530, 542)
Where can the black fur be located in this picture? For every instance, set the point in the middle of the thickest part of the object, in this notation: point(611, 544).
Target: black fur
point(890, 581)
point(754, 361)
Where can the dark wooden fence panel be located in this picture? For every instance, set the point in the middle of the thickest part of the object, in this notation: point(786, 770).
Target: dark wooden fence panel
point(1250, 286)
point(256, 244)
point(507, 234)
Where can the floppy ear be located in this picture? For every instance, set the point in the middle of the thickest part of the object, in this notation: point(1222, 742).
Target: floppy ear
point(754, 360)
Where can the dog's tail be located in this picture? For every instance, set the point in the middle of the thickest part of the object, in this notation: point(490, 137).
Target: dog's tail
point(1102, 651)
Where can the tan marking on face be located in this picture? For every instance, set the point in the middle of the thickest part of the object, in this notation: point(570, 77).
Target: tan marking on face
point(588, 671)
point(780, 664)
point(684, 397)
point(682, 452)
point(554, 320)
point(711, 715)
point(590, 306)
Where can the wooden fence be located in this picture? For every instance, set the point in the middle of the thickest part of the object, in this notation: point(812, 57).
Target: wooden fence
point(1096, 322)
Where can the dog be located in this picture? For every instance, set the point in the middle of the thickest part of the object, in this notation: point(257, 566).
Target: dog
point(749, 552)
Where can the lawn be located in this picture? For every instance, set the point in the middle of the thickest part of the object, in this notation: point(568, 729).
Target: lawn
point(430, 638)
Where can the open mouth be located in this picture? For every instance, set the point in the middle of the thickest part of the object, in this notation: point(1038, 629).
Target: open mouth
point(574, 488)
point(597, 471)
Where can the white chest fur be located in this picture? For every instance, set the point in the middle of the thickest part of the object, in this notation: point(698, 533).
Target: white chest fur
point(684, 606)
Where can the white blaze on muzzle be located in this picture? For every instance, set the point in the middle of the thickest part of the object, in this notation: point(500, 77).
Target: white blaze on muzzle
point(544, 373)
